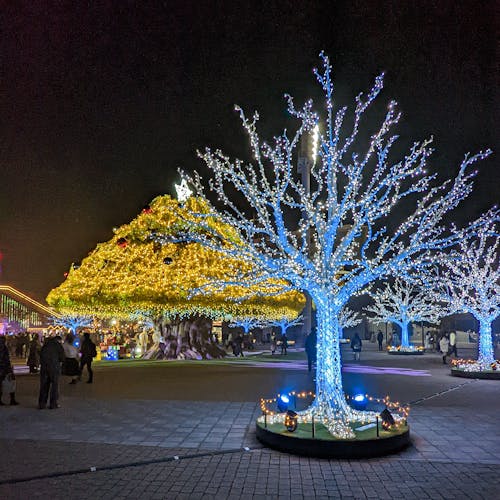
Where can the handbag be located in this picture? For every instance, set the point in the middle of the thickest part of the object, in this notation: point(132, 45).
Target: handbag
point(9, 384)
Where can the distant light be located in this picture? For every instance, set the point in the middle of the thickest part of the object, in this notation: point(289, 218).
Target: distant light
point(315, 143)
point(183, 191)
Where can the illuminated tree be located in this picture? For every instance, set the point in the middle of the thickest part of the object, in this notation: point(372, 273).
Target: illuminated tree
point(247, 324)
point(403, 303)
point(132, 275)
point(472, 281)
point(333, 240)
point(285, 323)
point(347, 319)
point(72, 322)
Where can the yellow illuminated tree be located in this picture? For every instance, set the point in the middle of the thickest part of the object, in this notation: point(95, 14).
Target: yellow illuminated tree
point(174, 284)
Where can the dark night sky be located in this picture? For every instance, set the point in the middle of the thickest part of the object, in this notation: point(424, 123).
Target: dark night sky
point(101, 102)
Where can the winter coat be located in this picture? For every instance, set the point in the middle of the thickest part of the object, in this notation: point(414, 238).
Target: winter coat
point(34, 353)
point(356, 344)
point(52, 355)
point(88, 350)
point(444, 345)
point(5, 366)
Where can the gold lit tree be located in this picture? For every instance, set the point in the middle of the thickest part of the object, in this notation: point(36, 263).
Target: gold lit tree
point(174, 285)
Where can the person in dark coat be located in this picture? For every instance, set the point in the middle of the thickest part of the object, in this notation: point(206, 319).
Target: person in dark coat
point(34, 354)
point(356, 346)
point(310, 346)
point(284, 344)
point(380, 339)
point(88, 352)
point(51, 357)
point(5, 370)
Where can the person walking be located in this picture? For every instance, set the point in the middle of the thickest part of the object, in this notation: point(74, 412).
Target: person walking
point(444, 347)
point(6, 373)
point(453, 344)
point(380, 339)
point(284, 344)
point(71, 367)
point(310, 347)
point(273, 344)
point(34, 354)
point(51, 357)
point(88, 351)
point(356, 346)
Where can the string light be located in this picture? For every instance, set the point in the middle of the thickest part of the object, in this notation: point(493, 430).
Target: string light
point(159, 280)
point(470, 282)
point(338, 240)
point(403, 303)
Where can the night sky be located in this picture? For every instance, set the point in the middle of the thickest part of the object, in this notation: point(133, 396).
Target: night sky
point(101, 102)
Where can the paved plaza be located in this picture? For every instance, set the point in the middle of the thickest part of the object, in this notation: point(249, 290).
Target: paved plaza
point(186, 430)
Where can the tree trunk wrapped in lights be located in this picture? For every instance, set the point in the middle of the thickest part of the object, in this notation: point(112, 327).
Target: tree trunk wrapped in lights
point(133, 276)
point(472, 282)
point(403, 303)
point(333, 240)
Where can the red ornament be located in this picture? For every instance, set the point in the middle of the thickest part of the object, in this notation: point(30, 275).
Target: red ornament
point(122, 242)
point(147, 210)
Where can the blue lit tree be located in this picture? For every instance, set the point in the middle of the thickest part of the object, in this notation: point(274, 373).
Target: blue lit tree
point(403, 303)
point(285, 323)
point(72, 322)
point(333, 239)
point(472, 280)
point(246, 323)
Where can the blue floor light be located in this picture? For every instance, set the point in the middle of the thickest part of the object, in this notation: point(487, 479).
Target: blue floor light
point(359, 401)
point(283, 401)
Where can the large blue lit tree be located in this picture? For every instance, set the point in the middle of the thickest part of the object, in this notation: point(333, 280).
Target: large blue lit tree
point(405, 302)
point(333, 239)
point(472, 281)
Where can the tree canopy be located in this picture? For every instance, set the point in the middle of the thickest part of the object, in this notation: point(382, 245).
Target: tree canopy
point(132, 273)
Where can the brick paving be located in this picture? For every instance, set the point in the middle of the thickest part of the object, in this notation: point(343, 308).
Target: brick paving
point(455, 451)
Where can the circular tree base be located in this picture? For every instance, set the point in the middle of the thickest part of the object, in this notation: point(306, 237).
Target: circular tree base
point(332, 448)
point(405, 353)
point(487, 375)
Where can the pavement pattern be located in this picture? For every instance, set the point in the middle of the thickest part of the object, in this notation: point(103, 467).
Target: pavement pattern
point(190, 449)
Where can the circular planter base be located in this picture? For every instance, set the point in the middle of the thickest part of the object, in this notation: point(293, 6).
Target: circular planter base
point(405, 353)
point(322, 448)
point(487, 375)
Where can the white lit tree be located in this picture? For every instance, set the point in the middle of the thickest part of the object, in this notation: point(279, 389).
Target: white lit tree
point(405, 302)
point(335, 238)
point(472, 280)
point(347, 319)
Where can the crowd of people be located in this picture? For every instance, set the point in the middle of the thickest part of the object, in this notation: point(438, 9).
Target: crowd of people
point(51, 359)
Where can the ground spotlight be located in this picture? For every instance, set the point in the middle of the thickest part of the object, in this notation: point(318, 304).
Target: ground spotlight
point(359, 401)
point(387, 419)
point(283, 402)
point(291, 421)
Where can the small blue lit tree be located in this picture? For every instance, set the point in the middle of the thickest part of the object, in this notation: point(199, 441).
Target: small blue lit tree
point(72, 322)
point(246, 323)
point(472, 281)
point(333, 239)
point(285, 323)
point(405, 302)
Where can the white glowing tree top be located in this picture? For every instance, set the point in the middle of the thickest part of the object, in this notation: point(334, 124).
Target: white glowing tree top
point(404, 302)
point(471, 276)
point(349, 318)
point(334, 239)
point(72, 321)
